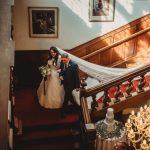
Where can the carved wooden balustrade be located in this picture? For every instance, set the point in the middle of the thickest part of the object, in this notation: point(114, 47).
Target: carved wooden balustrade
point(120, 93)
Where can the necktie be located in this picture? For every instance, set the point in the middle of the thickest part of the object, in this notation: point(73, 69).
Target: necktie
point(65, 67)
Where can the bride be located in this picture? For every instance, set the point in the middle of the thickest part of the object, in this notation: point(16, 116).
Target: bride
point(53, 95)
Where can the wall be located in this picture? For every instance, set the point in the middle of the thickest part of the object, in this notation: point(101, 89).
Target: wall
point(6, 60)
point(74, 25)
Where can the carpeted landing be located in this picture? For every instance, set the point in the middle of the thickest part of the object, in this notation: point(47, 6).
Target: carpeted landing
point(45, 129)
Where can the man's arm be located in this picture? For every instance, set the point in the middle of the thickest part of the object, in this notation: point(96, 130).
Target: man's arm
point(76, 75)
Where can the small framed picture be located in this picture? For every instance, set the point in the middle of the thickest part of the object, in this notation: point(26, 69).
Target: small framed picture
point(43, 22)
point(101, 10)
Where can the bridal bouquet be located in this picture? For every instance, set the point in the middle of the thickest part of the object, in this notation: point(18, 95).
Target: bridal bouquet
point(45, 70)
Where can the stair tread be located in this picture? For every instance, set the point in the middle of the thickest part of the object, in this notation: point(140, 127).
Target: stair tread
point(68, 119)
point(44, 134)
point(53, 146)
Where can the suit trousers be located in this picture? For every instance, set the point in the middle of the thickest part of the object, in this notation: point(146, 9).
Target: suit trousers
point(68, 97)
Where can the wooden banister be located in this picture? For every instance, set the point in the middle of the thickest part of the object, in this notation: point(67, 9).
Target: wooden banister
point(120, 105)
point(116, 81)
point(117, 43)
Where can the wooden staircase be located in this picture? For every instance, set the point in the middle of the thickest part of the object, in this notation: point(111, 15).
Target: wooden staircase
point(44, 129)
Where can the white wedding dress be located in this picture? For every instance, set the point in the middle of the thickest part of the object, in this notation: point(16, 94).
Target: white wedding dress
point(54, 91)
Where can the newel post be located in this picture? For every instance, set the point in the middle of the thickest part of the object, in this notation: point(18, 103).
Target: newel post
point(89, 127)
point(82, 89)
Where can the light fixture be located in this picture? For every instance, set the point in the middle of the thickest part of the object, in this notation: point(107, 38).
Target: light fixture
point(138, 129)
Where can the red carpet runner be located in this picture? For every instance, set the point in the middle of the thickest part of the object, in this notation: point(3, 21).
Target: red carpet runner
point(44, 129)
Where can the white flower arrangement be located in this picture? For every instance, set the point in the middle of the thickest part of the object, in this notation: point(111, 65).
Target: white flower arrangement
point(45, 70)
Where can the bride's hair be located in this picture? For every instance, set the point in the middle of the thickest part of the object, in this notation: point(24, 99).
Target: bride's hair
point(55, 51)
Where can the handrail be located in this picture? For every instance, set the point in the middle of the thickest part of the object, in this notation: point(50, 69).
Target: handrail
point(119, 105)
point(119, 80)
point(116, 43)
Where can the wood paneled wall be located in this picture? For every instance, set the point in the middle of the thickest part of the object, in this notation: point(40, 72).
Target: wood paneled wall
point(26, 67)
point(135, 47)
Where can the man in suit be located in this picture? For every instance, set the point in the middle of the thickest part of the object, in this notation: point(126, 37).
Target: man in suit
point(69, 76)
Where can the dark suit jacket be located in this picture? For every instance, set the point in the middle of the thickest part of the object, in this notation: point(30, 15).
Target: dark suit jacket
point(70, 75)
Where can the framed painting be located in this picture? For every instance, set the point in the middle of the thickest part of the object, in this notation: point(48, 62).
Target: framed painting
point(101, 10)
point(43, 22)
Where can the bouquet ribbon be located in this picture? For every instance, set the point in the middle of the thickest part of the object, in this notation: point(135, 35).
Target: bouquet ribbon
point(45, 78)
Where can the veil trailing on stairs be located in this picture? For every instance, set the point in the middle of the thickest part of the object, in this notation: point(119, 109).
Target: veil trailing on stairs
point(101, 73)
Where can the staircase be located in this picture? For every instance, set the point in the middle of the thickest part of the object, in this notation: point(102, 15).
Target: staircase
point(45, 129)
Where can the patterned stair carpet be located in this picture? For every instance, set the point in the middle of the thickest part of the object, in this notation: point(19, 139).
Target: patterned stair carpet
point(45, 129)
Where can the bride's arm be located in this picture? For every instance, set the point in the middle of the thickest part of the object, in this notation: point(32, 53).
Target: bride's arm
point(58, 62)
point(49, 63)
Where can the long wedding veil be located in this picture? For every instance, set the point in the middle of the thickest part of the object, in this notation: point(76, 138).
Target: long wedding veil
point(103, 74)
